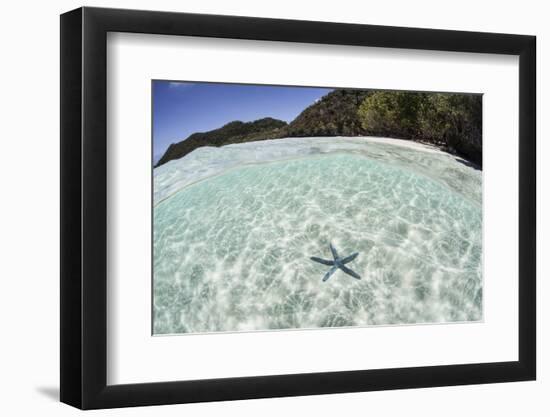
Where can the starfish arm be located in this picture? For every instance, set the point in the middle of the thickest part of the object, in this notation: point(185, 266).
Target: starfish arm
point(322, 261)
point(329, 273)
point(350, 272)
point(333, 250)
point(350, 258)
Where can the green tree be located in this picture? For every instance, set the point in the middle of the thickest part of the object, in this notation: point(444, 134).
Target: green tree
point(392, 113)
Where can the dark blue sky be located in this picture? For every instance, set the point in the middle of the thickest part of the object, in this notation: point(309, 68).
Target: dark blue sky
point(181, 108)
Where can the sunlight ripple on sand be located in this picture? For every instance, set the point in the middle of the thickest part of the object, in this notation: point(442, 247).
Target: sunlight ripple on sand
point(234, 228)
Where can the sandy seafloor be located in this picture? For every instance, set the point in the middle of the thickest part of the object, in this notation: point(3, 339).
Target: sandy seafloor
point(234, 228)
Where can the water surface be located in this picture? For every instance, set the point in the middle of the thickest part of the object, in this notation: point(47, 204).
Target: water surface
point(234, 228)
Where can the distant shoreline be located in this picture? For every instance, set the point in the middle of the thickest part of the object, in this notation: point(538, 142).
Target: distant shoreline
point(406, 143)
point(169, 178)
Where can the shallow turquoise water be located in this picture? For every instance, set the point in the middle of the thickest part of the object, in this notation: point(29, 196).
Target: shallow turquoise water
point(231, 251)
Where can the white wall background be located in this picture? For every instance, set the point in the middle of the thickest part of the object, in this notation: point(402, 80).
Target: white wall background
point(29, 225)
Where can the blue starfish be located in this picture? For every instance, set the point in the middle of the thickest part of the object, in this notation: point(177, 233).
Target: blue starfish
point(337, 263)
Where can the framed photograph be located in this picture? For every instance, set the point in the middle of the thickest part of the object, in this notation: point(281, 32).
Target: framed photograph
point(256, 208)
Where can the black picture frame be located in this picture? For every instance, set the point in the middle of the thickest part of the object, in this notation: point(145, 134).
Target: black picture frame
point(84, 207)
